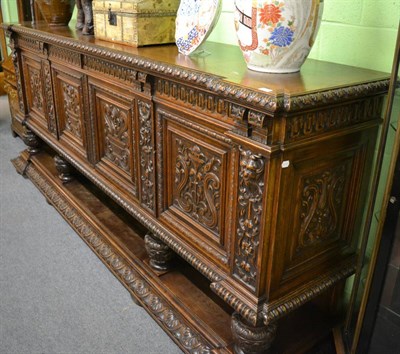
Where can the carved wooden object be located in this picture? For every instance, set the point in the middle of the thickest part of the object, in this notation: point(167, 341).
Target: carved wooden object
point(255, 181)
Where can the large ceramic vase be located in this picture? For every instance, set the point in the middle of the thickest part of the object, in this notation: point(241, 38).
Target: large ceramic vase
point(276, 36)
point(56, 12)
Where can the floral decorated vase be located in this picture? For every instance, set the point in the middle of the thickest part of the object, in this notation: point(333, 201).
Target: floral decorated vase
point(276, 36)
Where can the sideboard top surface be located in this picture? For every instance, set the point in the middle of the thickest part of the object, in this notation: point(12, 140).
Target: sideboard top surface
point(219, 65)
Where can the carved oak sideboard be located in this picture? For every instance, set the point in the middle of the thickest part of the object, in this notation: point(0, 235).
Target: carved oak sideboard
point(224, 200)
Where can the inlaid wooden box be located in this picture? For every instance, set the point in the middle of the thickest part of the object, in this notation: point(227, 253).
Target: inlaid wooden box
point(135, 22)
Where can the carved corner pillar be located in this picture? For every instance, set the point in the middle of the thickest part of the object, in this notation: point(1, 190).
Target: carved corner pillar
point(65, 170)
point(159, 253)
point(250, 339)
point(249, 214)
point(18, 72)
point(147, 156)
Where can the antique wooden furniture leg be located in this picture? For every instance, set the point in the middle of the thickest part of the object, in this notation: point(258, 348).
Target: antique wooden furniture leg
point(64, 169)
point(251, 339)
point(160, 254)
point(32, 141)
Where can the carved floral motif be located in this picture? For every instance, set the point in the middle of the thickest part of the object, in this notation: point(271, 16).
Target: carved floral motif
point(197, 184)
point(322, 200)
point(251, 183)
point(72, 109)
point(116, 135)
point(36, 89)
point(146, 156)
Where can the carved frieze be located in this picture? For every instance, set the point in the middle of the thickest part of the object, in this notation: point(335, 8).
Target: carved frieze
point(71, 101)
point(31, 44)
point(110, 69)
point(237, 112)
point(65, 55)
point(146, 152)
point(250, 197)
point(309, 124)
point(195, 99)
point(197, 184)
point(322, 200)
point(116, 136)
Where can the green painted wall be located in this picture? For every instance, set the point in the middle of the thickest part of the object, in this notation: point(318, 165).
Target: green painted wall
point(353, 32)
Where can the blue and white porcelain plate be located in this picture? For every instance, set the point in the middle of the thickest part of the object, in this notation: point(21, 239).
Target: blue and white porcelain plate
point(195, 20)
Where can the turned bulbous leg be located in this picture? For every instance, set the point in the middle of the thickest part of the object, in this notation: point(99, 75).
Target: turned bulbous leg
point(249, 339)
point(32, 141)
point(159, 253)
point(65, 170)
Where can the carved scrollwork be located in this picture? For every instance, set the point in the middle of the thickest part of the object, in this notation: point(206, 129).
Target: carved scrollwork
point(72, 109)
point(116, 135)
point(146, 155)
point(251, 184)
point(322, 199)
point(198, 184)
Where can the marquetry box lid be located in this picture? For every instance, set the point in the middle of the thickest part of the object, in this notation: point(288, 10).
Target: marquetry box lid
point(135, 22)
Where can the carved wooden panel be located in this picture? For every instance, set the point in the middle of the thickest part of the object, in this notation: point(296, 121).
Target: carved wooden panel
point(320, 196)
point(197, 184)
point(34, 89)
point(196, 170)
point(113, 122)
point(70, 108)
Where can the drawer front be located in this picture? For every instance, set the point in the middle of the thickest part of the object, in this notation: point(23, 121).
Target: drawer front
point(196, 176)
point(69, 98)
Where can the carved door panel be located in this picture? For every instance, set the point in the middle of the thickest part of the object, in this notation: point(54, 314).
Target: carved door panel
point(320, 199)
point(113, 119)
point(197, 172)
point(69, 98)
point(34, 89)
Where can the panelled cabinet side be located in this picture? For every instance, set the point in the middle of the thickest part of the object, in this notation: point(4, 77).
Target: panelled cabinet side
point(261, 193)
